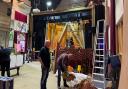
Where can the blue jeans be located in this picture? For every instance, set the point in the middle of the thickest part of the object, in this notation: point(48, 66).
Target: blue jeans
point(45, 73)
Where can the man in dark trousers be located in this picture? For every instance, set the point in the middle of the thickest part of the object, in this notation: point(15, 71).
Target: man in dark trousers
point(115, 65)
point(62, 63)
point(45, 63)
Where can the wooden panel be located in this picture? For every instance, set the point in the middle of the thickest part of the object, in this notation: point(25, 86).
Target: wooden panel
point(124, 62)
point(4, 19)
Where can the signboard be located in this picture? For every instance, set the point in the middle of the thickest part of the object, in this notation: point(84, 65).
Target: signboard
point(65, 16)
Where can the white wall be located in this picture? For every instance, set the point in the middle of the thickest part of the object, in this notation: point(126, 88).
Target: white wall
point(119, 10)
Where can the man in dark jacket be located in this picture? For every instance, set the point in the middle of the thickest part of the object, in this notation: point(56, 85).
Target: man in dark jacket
point(45, 63)
point(5, 61)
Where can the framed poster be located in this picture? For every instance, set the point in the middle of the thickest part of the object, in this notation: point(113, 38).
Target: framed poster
point(20, 41)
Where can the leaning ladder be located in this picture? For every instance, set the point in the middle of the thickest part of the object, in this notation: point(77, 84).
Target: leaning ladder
point(98, 73)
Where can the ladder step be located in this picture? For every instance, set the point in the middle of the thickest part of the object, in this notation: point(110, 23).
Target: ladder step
point(98, 74)
point(100, 38)
point(98, 81)
point(98, 61)
point(99, 49)
point(100, 43)
point(99, 55)
point(99, 67)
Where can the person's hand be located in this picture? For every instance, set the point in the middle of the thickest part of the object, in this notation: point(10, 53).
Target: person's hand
point(42, 65)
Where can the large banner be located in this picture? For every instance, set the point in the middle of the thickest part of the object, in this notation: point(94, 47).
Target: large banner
point(21, 28)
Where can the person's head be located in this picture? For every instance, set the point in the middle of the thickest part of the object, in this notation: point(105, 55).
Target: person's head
point(47, 43)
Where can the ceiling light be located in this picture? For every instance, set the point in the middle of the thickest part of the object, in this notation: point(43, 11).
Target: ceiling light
point(49, 3)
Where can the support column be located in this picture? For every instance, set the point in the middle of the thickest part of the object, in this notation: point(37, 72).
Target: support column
point(112, 27)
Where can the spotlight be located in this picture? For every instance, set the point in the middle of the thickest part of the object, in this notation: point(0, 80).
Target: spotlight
point(49, 3)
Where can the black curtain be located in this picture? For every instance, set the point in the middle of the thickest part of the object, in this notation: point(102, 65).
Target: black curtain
point(39, 29)
point(101, 27)
point(88, 35)
point(99, 12)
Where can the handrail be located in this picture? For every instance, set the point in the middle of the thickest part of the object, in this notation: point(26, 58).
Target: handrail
point(104, 51)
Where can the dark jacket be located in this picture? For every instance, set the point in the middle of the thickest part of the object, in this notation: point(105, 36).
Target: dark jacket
point(45, 56)
point(5, 54)
point(62, 60)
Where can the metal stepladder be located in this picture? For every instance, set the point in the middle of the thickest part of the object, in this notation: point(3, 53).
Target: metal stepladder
point(98, 73)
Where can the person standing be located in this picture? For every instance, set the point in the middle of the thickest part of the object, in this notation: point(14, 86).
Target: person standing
point(44, 58)
point(5, 60)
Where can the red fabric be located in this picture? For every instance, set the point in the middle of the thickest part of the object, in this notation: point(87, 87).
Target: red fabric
point(20, 17)
point(106, 40)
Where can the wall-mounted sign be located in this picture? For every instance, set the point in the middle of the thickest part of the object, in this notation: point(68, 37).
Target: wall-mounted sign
point(65, 16)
